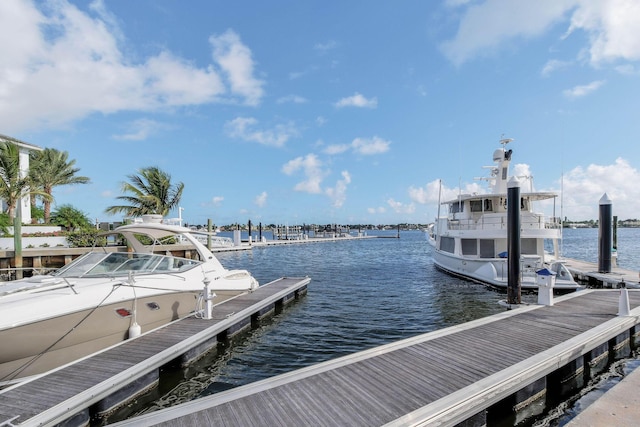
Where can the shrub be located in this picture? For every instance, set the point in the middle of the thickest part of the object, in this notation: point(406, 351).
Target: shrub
point(86, 238)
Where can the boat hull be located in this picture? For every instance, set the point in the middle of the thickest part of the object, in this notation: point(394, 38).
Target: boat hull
point(494, 272)
point(40, 346)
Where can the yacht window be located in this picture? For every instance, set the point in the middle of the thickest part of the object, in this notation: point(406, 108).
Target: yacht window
point(487, 248)
point(475, 205)
point(456, 207)
point(447, 244)
point(469, 246)
point(504, 173)
point(488, 205)
point(524, 204)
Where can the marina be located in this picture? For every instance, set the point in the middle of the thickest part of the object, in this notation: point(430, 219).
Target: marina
point(363, 327)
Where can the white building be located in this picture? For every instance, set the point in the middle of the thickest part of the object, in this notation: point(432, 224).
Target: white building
point(24, 148)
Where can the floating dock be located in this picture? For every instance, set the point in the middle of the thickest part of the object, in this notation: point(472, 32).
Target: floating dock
point(443, 378)
point(587, 273)
point(102, 382)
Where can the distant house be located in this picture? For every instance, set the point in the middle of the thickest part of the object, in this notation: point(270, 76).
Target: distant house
point(25, 149)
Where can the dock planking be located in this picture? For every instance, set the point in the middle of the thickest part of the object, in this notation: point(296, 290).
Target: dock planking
point(439, 378)
point(54, 397)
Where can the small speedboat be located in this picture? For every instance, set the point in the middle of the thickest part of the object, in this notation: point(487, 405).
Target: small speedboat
point(103, 298)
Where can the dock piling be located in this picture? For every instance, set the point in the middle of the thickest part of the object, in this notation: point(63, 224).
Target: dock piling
point(513, 241)
point(604, 235)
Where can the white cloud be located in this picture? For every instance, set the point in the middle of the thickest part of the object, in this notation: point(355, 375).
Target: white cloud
point(312, 169)
point(216, 201)
point(141, 129)
point(434, 192)
point(62, 64)
point(378, 210)
point(486, 27)
point(324, 47)
point(552, 66)
point(583, 188)
point(243, 128)
point(369, 146)
point(261, 199)
point(338, 194)
point(612, 26)
point(583, 90)
point(235, 60)
point(291, 99)
point(321, 121)
point(336, 149)
point(401, 208)
point(357, 100)
point(362, 146)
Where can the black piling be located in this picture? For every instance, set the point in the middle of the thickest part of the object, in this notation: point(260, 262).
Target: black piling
point(604, 235)
point(513, 241)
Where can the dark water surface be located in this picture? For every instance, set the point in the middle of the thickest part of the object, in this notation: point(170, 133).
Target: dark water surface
point(363, 293)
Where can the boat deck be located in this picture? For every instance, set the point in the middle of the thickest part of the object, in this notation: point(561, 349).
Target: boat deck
point(439, 378)
point(58, 395)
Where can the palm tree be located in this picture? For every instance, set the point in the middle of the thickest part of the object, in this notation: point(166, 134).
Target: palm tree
point(52, 168)
point(13, 185)
point(151, 193)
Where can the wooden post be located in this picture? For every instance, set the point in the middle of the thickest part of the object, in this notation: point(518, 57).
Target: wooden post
point(249, 232)
point(513, 241)
point(209, 230)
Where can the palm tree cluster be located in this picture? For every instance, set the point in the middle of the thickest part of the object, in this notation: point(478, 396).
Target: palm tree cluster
point(148, 192)
point(48, 168)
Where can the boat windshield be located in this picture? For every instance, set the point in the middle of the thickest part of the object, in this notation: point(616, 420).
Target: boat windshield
point(121, 263)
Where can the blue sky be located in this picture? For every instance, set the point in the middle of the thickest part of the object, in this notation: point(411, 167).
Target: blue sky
point(318, 112)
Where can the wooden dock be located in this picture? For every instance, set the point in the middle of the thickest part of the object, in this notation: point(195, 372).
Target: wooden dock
point(104, 380)
point(441, 378)
point(587, 273)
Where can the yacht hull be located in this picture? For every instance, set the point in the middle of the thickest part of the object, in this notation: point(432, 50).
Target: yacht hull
point(494, 272)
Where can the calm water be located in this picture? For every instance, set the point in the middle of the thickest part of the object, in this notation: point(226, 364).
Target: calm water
point(363, 293)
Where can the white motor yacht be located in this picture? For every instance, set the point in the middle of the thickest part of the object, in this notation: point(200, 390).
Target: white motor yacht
point(102, 298)
point(471, 240)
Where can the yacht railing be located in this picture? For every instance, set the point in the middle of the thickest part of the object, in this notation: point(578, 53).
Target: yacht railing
point(499, 222)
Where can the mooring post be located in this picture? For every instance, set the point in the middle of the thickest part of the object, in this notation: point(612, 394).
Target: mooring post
point(260, 231)
point(604, 235)
point(614, 247)
point(209, 229)
point(513, 241)
point(249, 232)
point(17, 239)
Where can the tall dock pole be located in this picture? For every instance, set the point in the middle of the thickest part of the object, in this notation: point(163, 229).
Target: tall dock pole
point(17, 239)
point(513, 241)
point(604, 235)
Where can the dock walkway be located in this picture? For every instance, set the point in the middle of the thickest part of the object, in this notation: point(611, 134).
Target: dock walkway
point(587, 272)
point(444, 377)
point(60, 394)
